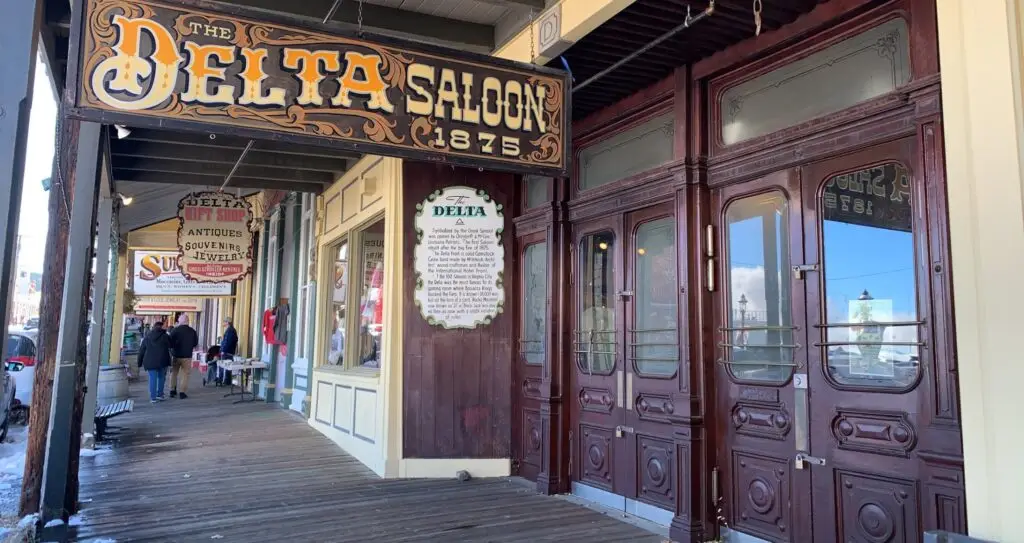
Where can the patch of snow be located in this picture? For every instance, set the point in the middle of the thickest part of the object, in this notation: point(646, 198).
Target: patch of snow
point(216, 536)
point(75, 520)
point(28, 520)
point(54, 523)
point(94, 452)
point(102, 541)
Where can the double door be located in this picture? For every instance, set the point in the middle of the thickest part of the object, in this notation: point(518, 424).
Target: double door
point(626, 356)
point(822, 382)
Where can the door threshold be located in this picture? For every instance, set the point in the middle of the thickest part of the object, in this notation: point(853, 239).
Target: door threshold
point(618, 514)
point(733, 536)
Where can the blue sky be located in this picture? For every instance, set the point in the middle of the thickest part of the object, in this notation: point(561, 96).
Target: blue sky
point(856, 258)
point(34, 216)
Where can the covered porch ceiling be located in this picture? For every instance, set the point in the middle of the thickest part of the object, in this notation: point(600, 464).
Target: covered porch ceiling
point(157, 167)
point(644, 21)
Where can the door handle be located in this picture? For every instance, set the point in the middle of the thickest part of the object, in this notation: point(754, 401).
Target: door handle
point(801, 458)
point(621, 430)
point(619, 390)
point(629, 391)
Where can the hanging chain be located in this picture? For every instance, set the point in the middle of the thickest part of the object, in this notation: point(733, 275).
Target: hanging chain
point(359, 18)
point(757, 17)
point(533, 40)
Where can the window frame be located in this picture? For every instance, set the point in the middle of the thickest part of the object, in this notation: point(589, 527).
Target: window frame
point(525, 243)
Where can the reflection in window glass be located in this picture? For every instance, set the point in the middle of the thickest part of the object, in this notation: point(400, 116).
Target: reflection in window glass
point(371, 296)
point(535, 293)
point(760, 310)
point(339, 289)
point(655, 343)
point(595, 341)
point(869, 278)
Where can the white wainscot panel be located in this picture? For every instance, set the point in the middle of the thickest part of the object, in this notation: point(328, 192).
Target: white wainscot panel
point(365, 427)
point(324, 412)
point(343, 409)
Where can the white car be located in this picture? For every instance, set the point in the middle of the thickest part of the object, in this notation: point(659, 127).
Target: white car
point(21, 362)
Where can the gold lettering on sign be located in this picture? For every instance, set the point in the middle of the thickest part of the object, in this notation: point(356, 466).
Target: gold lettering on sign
point(252, 81)
point(308, 64)
point(370, 85)
point(129, 69)
point(201, 73)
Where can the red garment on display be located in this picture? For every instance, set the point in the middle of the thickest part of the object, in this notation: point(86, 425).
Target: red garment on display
point(268, 327)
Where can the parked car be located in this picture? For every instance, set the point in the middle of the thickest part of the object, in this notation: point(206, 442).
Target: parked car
point(20, 362)
point(32, 324)
point(7, 407)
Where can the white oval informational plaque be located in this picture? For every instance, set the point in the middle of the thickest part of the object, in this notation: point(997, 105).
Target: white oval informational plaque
point(459, 259)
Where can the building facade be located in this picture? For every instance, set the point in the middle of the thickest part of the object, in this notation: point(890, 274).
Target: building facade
point(734, 317)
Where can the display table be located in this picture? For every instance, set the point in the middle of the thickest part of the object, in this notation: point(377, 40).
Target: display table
point(244, 367)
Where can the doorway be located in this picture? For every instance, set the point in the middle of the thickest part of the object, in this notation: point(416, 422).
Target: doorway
point(824, 356)
point(626, 354)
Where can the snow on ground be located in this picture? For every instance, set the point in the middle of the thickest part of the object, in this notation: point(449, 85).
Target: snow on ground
point(12, 467)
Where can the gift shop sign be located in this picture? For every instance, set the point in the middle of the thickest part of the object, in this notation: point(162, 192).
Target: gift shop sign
point(214, 240)
point(459, 259)
point(187, 65)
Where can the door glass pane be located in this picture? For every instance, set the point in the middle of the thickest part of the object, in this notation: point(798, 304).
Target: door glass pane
point(870, 287)
point(595, 341)
point(535, 295)
point(339, 292)
point(760, 323)
point(655, 343)
point(371, 296)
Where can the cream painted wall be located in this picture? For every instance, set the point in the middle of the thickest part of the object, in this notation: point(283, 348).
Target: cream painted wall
point(980, 52)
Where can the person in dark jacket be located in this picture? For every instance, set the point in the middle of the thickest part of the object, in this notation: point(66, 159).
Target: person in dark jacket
point(228, 346)
point(184, 340)
point(155, 356)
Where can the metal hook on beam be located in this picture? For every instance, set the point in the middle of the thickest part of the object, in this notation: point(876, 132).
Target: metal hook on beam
point(683, 26)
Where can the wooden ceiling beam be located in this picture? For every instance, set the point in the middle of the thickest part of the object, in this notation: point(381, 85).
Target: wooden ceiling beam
point(122, 149)
point(234, 143)
point(186, 169)
point(133, 176)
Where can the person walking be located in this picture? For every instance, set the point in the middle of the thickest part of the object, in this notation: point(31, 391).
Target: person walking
point(184, 340)
point(228, 345)
point(155, 356)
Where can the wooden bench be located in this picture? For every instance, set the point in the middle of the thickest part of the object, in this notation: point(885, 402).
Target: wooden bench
point(107, 412)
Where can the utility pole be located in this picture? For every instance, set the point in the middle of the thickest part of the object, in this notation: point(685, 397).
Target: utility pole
point(19, 36)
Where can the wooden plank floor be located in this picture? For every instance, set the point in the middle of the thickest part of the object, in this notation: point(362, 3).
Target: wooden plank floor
point(202, 469)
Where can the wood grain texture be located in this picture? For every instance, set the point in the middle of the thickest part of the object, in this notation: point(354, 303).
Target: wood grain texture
point(189, 470)
point(458, 383)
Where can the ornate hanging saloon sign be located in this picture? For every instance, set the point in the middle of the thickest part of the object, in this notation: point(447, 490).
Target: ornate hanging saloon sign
point(459, 259)
point(214, 241)
point(150, 63)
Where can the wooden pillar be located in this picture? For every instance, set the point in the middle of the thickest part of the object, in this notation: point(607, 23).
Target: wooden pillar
point(554, 476)
point(59, 209)
point(60, 467)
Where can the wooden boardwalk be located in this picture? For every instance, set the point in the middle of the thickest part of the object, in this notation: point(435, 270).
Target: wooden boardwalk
point(202, 469)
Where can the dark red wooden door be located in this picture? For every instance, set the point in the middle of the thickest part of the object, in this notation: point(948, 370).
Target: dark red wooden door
point(867, 235)
point(651, 354)
point(761, 316)
point(598, 406)
point(822, 387)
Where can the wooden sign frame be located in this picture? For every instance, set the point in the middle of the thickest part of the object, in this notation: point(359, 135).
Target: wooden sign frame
point(235, 71)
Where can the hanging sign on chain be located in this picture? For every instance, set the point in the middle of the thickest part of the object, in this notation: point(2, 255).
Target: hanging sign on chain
point(191, 65)
point(214, 240)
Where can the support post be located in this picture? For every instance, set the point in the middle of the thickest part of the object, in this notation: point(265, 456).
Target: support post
point(19, 31)
point(56, 472)
point(98, 319)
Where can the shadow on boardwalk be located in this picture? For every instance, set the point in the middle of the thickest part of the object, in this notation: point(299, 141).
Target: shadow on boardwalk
point(204, 469)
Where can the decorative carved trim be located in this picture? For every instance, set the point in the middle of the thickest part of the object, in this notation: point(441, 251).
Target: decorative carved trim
point(876, 432)
point(760, 419)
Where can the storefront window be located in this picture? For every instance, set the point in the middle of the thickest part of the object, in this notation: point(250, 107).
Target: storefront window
point(759, 342)
point(536, 190)
point(339, 291)
point(371, 296)
point(595, 341)
point(654, 341)
point(535, 293)
point(870, 288)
